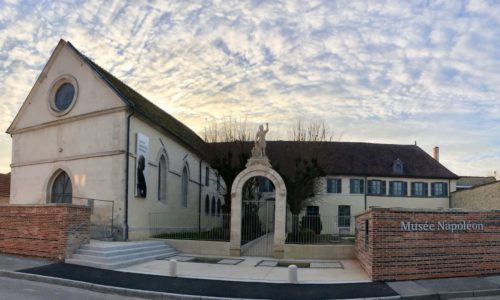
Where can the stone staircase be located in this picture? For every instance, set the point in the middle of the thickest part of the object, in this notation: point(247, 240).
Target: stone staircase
point(115, 255)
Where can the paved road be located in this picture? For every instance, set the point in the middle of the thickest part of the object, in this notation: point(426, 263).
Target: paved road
point(19, 289)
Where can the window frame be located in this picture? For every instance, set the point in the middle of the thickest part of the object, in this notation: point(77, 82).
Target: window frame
point(403, 189)
point(361, 186)
point(185, 186)
point(162, 181)
point(381, 188)
point(330, 187)
point(444, 189)
point(425, 189)
point(343, 220)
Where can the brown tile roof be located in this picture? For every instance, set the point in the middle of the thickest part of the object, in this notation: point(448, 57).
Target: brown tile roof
point(5, 185)
point(147, 109)
point(340, 158)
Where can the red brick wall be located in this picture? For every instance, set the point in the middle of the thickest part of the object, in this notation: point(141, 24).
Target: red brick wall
point(396, 254)
point(49, 231)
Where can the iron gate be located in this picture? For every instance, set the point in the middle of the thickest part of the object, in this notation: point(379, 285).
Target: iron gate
point(257, 227)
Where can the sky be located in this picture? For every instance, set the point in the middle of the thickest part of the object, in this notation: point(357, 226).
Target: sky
point(374, 71)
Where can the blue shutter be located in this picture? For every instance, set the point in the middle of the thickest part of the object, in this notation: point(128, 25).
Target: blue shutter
point(445, 189)
point(382, 182)
point(391, 188)
point(361, 186)
point(413, 188)
point(405, 189)
point(351, 185)
point(339, 185)
point(426, 188)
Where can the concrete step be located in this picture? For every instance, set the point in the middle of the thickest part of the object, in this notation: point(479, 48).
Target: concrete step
point(114, 255)
point(123, 257)
point(110, 246)
point(116, 265)
point(109, 253)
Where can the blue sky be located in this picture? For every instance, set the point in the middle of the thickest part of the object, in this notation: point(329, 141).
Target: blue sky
point(374, 71)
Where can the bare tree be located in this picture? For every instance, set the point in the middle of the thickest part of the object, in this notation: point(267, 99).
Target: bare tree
point(312, 131)
point(230, 129)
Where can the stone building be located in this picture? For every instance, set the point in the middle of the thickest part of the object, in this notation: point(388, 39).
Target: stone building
point(83, 136)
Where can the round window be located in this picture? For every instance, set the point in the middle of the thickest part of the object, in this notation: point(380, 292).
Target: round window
point(64, 96)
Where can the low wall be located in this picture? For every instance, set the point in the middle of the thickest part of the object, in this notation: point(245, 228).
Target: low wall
point(405, 244)
point(296, 251)
point(486, 196)
point(199, 247)
point(51, 231)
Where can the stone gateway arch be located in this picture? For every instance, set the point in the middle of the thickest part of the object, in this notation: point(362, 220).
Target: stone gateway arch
point(258, 166)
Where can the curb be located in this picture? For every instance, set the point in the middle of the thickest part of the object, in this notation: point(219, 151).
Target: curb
point(104, 288)
point(129, 292)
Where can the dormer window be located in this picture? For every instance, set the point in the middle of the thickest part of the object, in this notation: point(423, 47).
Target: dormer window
point(398, 167)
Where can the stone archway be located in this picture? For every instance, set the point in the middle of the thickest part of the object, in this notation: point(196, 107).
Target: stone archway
point(256, 168)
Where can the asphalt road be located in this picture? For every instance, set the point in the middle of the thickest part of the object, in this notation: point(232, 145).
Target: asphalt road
point(19, 289)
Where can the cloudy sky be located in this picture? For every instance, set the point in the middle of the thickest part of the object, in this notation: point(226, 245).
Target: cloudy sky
point(374, 71)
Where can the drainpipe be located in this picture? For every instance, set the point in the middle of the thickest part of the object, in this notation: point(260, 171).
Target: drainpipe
point(366, 187)
point(199, 202)
point(125, 229)
point(449, 193)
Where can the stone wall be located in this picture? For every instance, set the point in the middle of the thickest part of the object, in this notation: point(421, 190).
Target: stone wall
point(51, 231)
point(480, 197)
point(404, 244)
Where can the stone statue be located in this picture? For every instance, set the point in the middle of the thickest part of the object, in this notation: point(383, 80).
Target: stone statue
point(259, 149)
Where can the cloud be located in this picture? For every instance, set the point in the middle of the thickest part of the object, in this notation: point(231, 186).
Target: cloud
point(380, 71)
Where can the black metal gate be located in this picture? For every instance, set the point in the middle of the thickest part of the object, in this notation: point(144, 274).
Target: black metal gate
point(257, 227)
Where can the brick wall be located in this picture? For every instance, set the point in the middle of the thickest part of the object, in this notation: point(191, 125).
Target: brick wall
point(392, 252)
point(481, 197)
point(49, 231)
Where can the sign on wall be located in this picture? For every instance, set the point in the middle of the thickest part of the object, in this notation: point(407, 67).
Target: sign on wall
point(142, 165)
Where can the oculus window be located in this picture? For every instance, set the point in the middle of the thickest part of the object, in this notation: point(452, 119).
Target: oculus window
point(63, 94)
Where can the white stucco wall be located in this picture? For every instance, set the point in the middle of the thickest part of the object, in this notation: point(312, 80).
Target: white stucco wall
point(149, 211)
point(328, 202)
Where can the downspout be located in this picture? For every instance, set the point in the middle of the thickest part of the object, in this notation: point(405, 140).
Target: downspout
point(449, 193)
point(366, 191)
point(127, 158)
point(199, 202)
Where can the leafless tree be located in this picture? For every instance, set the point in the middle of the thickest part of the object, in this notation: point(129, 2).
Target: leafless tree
point(230, 129)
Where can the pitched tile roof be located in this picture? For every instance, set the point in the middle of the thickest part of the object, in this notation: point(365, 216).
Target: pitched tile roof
point(5, 185)
point(341, 158)
point(147, 109)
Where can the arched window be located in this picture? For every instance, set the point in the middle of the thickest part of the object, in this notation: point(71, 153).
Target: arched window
point(213, 207)
point(162, 179)
point(219, 207)
point(207, 205)
point(184, 186)
point(61, 191)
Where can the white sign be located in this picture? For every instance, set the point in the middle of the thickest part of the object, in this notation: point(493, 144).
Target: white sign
point(442, 226)
point(142, 165)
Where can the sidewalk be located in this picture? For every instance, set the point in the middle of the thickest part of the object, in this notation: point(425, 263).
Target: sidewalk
point(126, 283)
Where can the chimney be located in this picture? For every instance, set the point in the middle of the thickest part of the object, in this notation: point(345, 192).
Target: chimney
point(436, 153)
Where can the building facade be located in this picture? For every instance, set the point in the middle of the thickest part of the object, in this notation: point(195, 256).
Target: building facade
point(82, 136)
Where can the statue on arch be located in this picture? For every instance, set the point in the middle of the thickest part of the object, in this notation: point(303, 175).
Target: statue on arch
point(259, 148)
